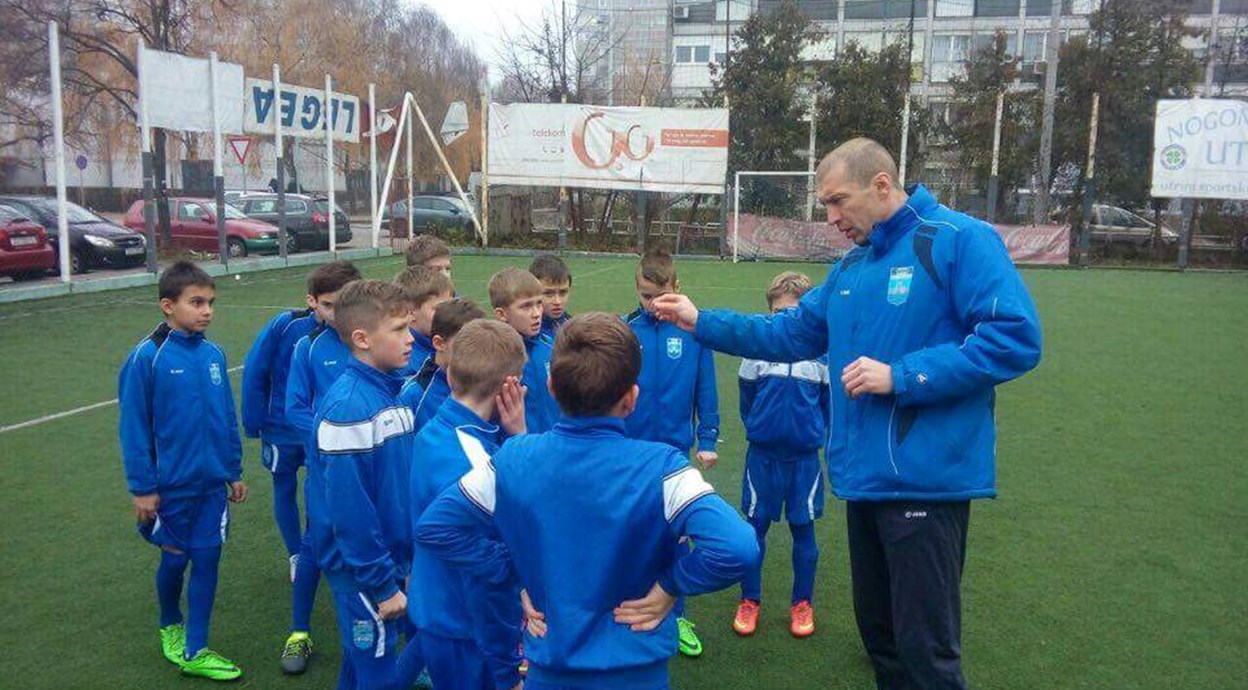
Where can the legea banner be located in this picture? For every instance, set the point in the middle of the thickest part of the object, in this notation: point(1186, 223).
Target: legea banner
point(1200, 149)
point(302, 111)
point(178, 94)
point(674, 150)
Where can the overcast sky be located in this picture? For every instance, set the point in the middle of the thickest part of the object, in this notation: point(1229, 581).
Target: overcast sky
point(482, 22)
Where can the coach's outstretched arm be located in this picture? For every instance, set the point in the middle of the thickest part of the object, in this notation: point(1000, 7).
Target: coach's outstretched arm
point(789, 336)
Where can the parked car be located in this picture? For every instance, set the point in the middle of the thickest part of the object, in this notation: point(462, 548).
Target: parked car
point(24, 250)
point(307, 219)
point(193, 225)
point(1113, 225)
point(448, 212)
point(93, 241)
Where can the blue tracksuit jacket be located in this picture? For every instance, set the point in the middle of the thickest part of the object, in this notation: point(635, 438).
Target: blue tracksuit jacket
point(589, 518)
point(934, 295)
point(784, 406)
point(178, 430)
point(677, 379)
point(550, 327)
point(265, 373)
point(422, 351)
point(540, 409)
point(425, 392)
point(318, 360)
point(357, 486)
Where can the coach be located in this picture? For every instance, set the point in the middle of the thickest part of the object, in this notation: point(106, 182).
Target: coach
point(923, 318)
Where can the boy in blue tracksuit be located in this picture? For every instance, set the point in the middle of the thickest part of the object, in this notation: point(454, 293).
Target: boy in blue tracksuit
point(424, 391)
point(784, 409)
point(183, 462)
point(920, 322)
point(443, 603)
point(426, 288)
point(589, 520)
point(357, 488)
point(677, 382)
point(556, 282)
point(516, 297)
point(265, 375)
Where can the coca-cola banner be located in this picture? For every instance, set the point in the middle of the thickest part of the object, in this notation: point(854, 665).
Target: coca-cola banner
point(765, 237)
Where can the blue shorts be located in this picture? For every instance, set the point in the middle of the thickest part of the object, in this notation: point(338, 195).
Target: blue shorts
point(191, 522)
point(457, 664)
point(282, 458)
point(776, 485)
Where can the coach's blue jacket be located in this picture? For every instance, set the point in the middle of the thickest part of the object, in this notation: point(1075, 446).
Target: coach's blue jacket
point(588, 519)
point(677, 378)
point(357, 485)
point(934, 295)
point(784, 405)
point(179, 433)
point(541, 411)
point(441, 600)
point(319, 359)
point(265, 373)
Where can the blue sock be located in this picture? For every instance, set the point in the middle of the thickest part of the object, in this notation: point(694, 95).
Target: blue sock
point(200, 594)
point(303, 595)
point(169, 577)
point(805, 561)
point(752, 583)
point(286, 509)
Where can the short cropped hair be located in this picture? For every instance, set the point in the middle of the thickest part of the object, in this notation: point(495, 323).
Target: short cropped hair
point(788, 283)
point(658, 267)
point(595, 363)
point(862, 159)
point(423, 284)
point(423, 248)
point(363, 304)
point(483, 355)
point(551, 269)
point(180, 276)
point(511, 285)
point(331, 277)
point(452, 315)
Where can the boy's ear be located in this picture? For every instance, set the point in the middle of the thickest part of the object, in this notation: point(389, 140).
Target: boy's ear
point(311, 301)
point(500, 314)
point(166, 306)
point(628, 403)
point(676, 286)
point(360, 339)
point(439, 343)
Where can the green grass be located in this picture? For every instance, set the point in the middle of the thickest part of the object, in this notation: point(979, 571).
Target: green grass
point(1116, 557)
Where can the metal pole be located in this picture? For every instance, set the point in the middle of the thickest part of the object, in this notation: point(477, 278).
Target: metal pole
point(1215, 11)
point(736, 214)
point(485, 165)
point(1046, 127)
point(329, 163)
point(218, 167)
point(411, 213)
point(905, 140)
point(994, 180)
point(374, 212)
point(810, 165)
point(1185, 239)
point(149, 177)
point(281, 161)
point(58, 136)
point(394, 154)
point(1089, 184)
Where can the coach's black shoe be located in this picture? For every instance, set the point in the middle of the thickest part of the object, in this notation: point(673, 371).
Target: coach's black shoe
point(296, 654)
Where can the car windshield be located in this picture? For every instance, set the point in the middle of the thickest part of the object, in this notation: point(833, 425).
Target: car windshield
point(233, 213)
point(8, 214)
point(73, 212)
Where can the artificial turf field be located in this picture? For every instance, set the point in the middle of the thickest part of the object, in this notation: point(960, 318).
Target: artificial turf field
point(1116, 556)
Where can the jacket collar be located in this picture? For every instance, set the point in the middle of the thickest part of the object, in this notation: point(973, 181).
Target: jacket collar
point(184, 338)
point(387, 382)
point(459, 415)
point(582, 426)
point(422, 341)
point(553, 324)
point(908, 217)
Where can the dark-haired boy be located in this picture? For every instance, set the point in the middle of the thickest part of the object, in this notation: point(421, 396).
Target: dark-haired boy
point(425, 391)
point(556, 282)
point(183, 461)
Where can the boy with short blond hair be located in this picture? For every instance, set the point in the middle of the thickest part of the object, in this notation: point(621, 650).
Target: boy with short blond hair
point(484, 407)
point(785, 412)
point(516, 297)
point(556, 282)
point(357, 479)
point(183, 468)
point(426, 288)
point(428, 250)
point(424, 391)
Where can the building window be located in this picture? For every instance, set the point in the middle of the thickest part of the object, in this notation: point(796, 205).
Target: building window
point(955, 8)
point(997, 8)
point(949, 55)
point(983, 41)
point(702, 54)
point(1035, 46)
point(739, 10)
point(684, 55)
point(693, 55)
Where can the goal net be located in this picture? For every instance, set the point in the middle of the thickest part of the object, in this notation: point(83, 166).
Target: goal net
point(775, 216)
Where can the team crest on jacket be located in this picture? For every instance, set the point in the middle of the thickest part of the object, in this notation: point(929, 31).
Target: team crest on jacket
point(899, 279)
point(214, 372)
point(675, 348)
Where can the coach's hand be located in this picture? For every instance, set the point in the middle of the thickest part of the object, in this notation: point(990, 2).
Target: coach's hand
point(238, 492)
point(393, 607)
point(677, 309)
point(510, 405)
point(145, 507)
point(535, 621)
point(865, 375)
point(707, 459)
point(645, 614)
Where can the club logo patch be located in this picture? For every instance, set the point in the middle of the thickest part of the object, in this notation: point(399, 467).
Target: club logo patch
point(214, 372)
point(899, 279)
point(675, 348)
point(362, 634)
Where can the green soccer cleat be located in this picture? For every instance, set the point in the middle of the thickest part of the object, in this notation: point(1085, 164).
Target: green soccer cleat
point(296, 653)
point(208, 664)
point(689, 645)
point(173, 642)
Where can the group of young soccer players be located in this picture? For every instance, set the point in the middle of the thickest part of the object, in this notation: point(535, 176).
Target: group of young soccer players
point(510, 496)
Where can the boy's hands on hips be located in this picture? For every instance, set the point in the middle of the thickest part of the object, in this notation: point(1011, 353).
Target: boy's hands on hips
point(510, 404)
point(393, 607)
point(645, 614)
point(238, 492)
point(677, 309)
point(145, 507)
point(535, 621)
point(707, 459)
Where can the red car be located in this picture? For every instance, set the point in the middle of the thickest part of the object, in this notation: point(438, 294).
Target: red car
point(193, 225)
point(24, 250)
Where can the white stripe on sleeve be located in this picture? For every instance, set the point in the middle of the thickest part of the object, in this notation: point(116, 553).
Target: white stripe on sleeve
point(681, 489)
point(479, 486)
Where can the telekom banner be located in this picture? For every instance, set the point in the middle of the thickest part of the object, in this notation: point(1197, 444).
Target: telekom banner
point(674, 150)
point(767, 237)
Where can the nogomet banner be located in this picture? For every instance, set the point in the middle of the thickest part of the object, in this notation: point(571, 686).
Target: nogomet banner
point(1200, 149)
point(674, 150)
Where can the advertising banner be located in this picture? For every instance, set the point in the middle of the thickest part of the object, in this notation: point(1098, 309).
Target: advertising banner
point(1200, 149)
point(302, 111)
